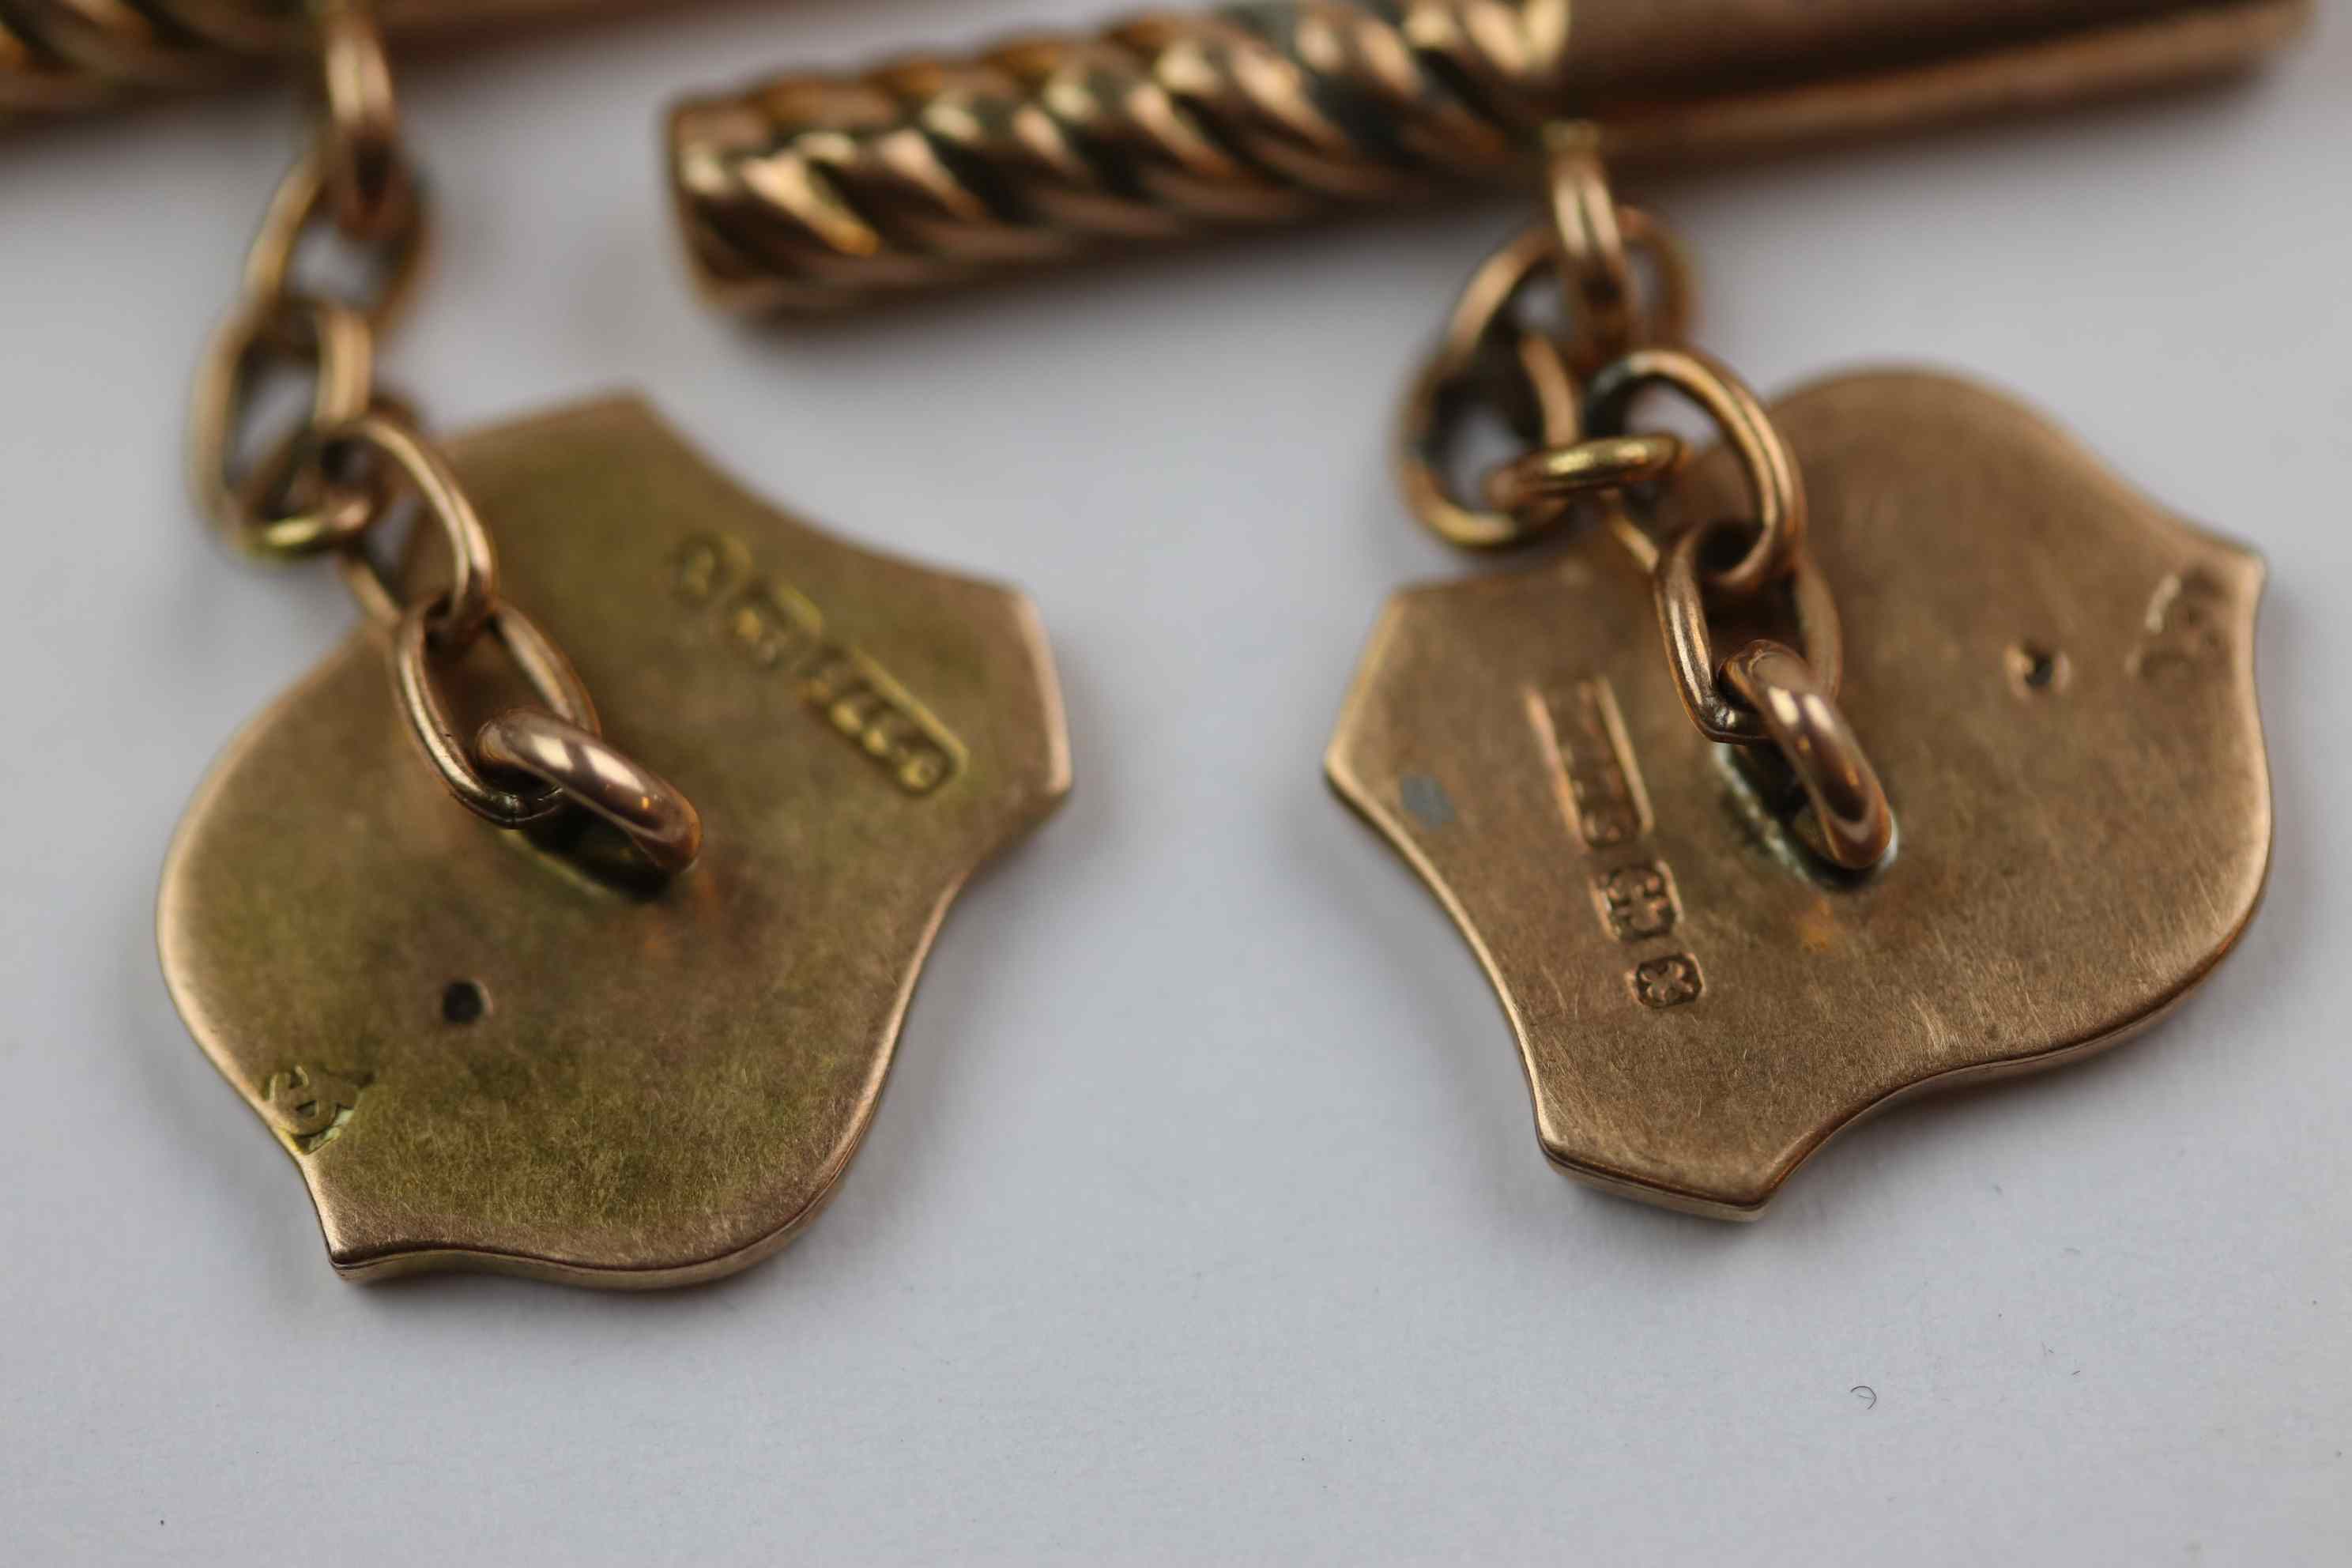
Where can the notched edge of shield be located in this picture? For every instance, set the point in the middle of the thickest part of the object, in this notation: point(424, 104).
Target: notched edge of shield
point(423, 1254)
point(2253, 574)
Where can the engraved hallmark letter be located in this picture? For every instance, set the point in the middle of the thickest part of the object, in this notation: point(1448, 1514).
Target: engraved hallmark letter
point(1667, 981)
point(2188, 620)
point(1637, 902)
point(309, 1106)
point(775, 627)
point(1585, 736)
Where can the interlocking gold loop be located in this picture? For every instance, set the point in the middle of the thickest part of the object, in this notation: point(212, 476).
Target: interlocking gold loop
point(594, 774)
point(1479, 310)
point(1594, 269)
point(1528, 383)
point(300, 200)
point(1773, 482)
point(340, 349)
point(375, 596)
point(1690, 646)
point(366, 175)
point(1554, 476)
point(1489, 352)
point(542, 664)
point(1855, 827)
point(471, 603)
point(1485, 306)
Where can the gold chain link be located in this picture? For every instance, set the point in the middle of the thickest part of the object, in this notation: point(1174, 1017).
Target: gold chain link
point(1568, 392)
point(325, 485)
point(1493, 355)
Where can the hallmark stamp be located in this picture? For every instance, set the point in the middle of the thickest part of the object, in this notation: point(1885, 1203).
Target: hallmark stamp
point(1600, 788)
point(310, 1106)
point(1582, 734)
point(1636, 903)
point(1667, 981)
point(2186, 628)
point(776, 627)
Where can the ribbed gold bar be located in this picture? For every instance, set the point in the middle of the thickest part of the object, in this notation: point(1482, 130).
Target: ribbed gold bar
point(59, 57)
point(820, 191)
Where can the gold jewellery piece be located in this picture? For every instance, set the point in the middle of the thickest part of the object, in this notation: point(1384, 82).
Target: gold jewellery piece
point(818, 190)
point(635, 1040)
point(1657, 779)
point(74, 57)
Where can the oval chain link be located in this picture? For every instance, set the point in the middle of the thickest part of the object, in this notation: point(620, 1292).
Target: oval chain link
point(1678, 584)
point(558, 686)
point(463, 612)
point(366, 174)
point(1855, 827)
point(265, 333)
point(1496, 358)
point(326, 484)
point(1774, 487)
point(1570, 393)
point(393, 256)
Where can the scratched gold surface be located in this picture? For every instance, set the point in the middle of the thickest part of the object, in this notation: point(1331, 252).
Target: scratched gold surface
point(661, 1089)
point(2055, 681)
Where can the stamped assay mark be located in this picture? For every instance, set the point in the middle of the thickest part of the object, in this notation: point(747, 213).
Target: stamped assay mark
point(1667, 981)
point(2187, 627)
point(1583, 735)
point(1636, 901)
point(774, 627)
point(1602, 788)
point(310, 1106)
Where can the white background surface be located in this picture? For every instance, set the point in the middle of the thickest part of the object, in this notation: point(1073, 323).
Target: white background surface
point(1203, 1219)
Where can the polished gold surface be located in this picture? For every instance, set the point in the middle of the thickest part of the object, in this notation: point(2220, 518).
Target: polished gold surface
point(1808, 611)
point(2055, 679)
point(482, 1054)
point(816, 190)
point(1851, 823)
point(1775, 501)
point(651, 812)
point(1552, 476)
point(554, 687)
point(469, 590)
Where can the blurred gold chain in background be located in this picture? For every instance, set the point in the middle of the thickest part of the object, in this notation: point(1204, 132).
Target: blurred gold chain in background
point(818, 188)
point(60, 56)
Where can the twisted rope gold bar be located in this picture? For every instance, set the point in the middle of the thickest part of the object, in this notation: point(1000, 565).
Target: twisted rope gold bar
point(62, 56)
point(817, 191)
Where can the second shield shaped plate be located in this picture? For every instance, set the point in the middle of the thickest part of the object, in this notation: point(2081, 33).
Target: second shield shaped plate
point(2055, 681)
point(479, 1056)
